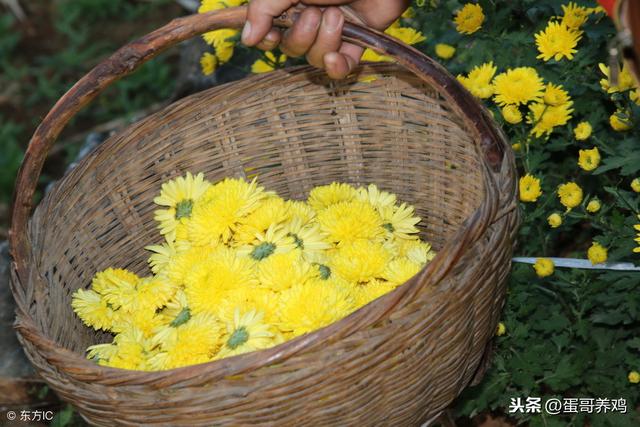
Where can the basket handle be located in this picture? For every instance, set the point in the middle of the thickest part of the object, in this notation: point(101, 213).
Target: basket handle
point(127, 59)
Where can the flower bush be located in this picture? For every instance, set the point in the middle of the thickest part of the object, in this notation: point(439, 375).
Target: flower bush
point(539, 66)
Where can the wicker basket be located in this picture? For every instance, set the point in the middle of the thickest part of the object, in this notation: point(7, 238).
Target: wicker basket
point(414, 130)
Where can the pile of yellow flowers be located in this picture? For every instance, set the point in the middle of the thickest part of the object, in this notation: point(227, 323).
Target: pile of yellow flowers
point(242, 269)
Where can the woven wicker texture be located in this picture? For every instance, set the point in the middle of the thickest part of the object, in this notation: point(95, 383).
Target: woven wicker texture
point(398, 361)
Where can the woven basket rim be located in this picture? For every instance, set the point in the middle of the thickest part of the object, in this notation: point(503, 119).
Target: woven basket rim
point(468, 231)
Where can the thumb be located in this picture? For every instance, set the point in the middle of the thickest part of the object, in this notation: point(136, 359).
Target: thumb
point(260, 18)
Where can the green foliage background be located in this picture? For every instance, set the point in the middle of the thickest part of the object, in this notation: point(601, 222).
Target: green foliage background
point(573, 334)
point(42, 57)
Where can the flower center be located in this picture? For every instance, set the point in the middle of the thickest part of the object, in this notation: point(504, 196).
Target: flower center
point(263, 250)
point(325, 272)
point(183, 209)
point(298, 241)
point(237, 338)
point(181, 318)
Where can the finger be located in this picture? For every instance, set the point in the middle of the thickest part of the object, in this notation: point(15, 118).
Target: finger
point(299, 38)
point(260, 16)
point(338, 65)
point(379, 14)
point(329, 37)
point(270, 41)
point(352, 51)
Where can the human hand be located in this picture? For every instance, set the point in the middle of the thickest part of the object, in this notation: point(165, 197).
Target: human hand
point(317, 32)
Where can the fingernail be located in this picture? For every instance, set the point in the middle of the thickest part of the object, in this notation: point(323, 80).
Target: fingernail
point(311, 22)
point(332, 20)
point(271, 37)
point(246, 32)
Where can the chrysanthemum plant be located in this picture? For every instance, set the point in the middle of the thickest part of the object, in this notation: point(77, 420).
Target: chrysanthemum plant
point(541, 68)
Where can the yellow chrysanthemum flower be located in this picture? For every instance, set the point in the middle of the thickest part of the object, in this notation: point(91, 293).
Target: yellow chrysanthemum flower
point(92, 309)
point(308, 238)
point(416, 251)
point(545, 118)
point(574, 16)
point(300, 312)
point(364, 293)
point(269, 212)
point(406, 35)
point(529, 187)
point(247, 332)
point(445, 51)
point(399, 221)
point(224, 270)
point(188, 341)
point(208, 63)
point(300, 211)
point(635, 185)
point(360, 261)
point(377, 198)
point(544, 267)
point(597, 253)
point(469, 19)
point(131, 349)
point(625, 80)
point(143, 318)
point(180, 196)
point(511, 114)
point(210, 5)
point(273, 241)
point(634, 377)
point(518, 86)
point(164, 256)
point(501, 329)
point(636, 227)
point(620, 121)
point(555, 95)
point(223, 41)
point(400, 270)
point(478, 81)
point(112, 278)
point(554, 220)
point(323, 196)
point(155, 291)
point(183, 262)
point(268, 62)
point(282, 271)
point(570, 195)
point(249, 299)
point(557, 41)
point(122, 288)
point(593, 206)
point(582, 131)
point(589, 159)
point(175, 308)
point(102, 353)
point(349, 221)
point(223, 207)
point(408, 13)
